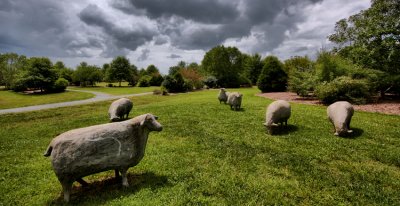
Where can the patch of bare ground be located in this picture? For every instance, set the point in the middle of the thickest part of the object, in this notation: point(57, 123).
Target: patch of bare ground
point(386, 106)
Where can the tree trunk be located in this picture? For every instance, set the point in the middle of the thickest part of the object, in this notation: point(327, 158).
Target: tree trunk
point(119, 83)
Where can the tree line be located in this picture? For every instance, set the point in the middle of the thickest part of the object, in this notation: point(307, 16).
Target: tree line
point(365, 61)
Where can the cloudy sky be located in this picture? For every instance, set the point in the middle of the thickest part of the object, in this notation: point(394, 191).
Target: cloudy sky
point(164, 32)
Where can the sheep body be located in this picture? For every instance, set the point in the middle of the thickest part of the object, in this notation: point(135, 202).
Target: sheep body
point(113, 146)
point(235, 100)
point(278, 111)
point(222, 95)
point(119, 108)
point(340, 114)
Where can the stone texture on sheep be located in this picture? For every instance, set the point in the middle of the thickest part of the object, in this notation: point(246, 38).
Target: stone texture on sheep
point(113, 146)
point(235, 100)
point(339, 114)
point(119, 108)
point(278, 111)
point(222, 95)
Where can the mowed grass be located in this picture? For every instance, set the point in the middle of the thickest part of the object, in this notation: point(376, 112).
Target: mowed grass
point(10, 99)
point(210, 155)
point(117, 90)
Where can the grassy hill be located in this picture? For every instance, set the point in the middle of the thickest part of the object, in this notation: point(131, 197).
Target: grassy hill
point(210, 155)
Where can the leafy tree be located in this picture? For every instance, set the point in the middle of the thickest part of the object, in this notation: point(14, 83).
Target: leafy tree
point(302, 77)
point(63, 71)
point(39, 74)
point(371, 38)
point(174, 83)
point(119, 69)
point(173, 70)
point(151, 69)
point(253, 66)
point(87, 74)
point(11, 64)
point(225, 63)
point(272, 77)
point(133, 76)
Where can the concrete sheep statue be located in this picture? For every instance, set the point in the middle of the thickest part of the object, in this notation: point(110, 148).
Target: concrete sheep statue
point(235, 100)
point(339, 114)
point(113, 146)
point(119, 108)
point(277, 112)
point(222, 95)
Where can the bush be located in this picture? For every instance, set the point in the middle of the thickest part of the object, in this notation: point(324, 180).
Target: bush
point(175, 83)
point(60, 85)
point(210, 82)
point(272, 77)
point(244, 81)
point(156, 80)
point(303, 83)
point(19, 85)
point(344, 88)
point(144, 81)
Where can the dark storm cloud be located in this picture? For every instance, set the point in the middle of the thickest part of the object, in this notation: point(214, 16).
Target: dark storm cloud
point(174, 56)
point(212, 22)
point(33, 27)
point(204, 11)
point(122, 37)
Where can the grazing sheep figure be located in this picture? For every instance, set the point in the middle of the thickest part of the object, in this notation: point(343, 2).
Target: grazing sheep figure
point(235, 100)
point(340, 113)
point(277, 112)
point(113, 146)
point(119, 108)
point(223, 95)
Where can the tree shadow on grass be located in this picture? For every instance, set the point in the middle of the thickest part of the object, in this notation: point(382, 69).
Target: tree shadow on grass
point(282, 130)
point(101, 191)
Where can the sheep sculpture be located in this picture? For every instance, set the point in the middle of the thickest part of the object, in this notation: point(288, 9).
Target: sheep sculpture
point(222, 95)
point(235, 100)
point(278, 111)
point(113, 146)
point(340, 114)
point(119, 108)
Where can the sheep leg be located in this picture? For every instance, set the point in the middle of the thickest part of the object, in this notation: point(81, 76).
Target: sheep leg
point(67, 187)
point(124, 178)
point(82, 182)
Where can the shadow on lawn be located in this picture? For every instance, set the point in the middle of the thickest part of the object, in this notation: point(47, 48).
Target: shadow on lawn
point(101, 191)
point(283, 130)
point(356, 133)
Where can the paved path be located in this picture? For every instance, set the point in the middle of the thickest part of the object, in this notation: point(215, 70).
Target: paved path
point(100, 96)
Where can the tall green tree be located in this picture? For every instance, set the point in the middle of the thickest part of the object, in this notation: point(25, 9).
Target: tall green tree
point(119, 69)
point(87, 74)
point(225, 63)
point(40, 74)
point(272, 77)
point(253, 67)
point(11, 64)
point(371, 38)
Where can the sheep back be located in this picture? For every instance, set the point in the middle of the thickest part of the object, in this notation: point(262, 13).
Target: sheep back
point(278, 111)
point(340, 114)
point(119, 108)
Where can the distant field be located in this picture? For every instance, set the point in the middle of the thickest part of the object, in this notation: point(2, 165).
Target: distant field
point(210, 155)
point(117, 90)
point(9, 99)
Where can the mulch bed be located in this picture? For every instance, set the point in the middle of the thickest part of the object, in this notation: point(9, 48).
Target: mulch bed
point(387, 106)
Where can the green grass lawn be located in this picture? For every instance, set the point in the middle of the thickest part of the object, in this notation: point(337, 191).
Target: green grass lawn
point(117, 90)
point(10, 99)
point(210, 155)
